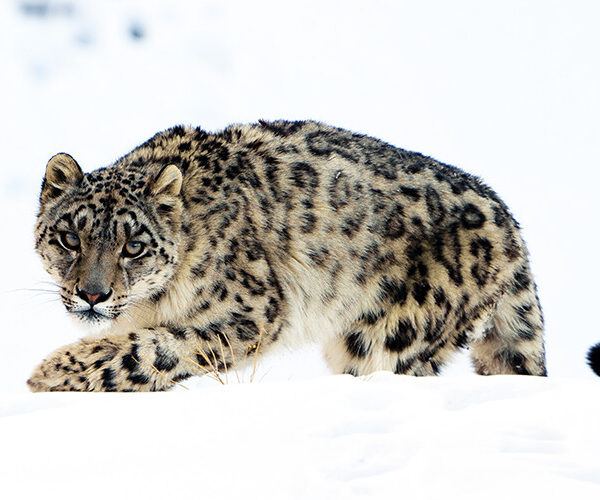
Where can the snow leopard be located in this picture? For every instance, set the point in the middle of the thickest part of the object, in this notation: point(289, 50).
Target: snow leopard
point(199, 251)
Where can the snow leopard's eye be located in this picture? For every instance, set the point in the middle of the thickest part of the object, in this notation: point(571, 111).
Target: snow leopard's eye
point(69, 240)
point(133, 249)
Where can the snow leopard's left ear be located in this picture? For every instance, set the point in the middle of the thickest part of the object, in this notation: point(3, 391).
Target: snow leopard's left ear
point(167, 182)
point(62, 173)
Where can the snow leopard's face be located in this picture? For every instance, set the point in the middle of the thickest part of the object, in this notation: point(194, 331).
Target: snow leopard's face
point(109, 239)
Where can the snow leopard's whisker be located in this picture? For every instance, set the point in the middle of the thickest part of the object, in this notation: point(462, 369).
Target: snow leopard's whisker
point(28, 290)
point(141, 303)
point(131, 320)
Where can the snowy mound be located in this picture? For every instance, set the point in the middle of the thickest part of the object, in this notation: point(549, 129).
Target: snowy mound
point(336, 437)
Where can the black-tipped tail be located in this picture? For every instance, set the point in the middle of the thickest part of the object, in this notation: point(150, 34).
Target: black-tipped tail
point(593, 359)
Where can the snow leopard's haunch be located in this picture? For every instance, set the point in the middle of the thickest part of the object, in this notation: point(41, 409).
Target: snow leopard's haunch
point(197, 251)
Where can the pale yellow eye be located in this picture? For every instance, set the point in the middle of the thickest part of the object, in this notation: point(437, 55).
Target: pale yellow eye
point(70, 240)
point(133, 249)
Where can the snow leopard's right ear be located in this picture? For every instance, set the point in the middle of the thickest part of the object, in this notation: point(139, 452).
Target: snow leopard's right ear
point(62, 173)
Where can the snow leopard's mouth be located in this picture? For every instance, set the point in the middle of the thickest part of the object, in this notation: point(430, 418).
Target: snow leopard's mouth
point(93, 317)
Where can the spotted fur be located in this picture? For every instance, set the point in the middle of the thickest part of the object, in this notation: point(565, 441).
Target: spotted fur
point(277, 233)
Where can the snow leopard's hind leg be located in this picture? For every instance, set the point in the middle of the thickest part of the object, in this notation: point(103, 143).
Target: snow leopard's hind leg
point(397, 338)
point(514, 342)
point(504, 331)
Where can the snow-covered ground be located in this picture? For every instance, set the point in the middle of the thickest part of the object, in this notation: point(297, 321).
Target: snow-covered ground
point(508, 90)
point(331, 438)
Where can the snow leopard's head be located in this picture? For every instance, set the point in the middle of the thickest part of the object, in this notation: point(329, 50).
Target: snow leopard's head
point(109, 238)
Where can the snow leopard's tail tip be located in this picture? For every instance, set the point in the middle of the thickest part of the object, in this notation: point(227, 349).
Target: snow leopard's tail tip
point(593, 358)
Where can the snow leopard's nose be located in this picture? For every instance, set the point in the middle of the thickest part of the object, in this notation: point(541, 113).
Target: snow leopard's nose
point(93, 297)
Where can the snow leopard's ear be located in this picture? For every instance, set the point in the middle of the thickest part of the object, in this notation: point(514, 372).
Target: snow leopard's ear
point(167, 182)
point(62, 173)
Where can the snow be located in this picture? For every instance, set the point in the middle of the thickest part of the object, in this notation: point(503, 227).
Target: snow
point(506, 90)
point(332, 437)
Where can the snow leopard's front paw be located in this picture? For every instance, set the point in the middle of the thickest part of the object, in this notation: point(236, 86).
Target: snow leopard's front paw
point(76, 367)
